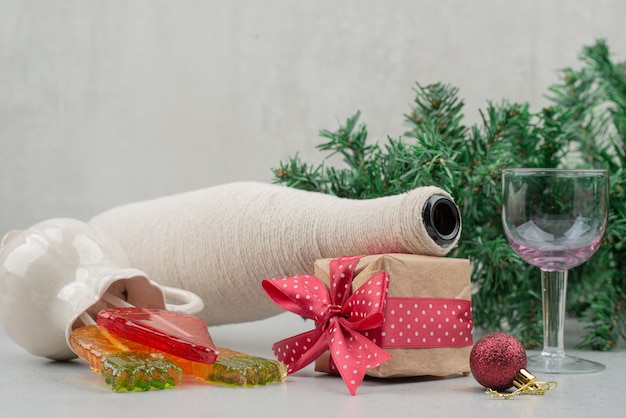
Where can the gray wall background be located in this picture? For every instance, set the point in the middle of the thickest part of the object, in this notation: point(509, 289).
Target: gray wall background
point(104, 102)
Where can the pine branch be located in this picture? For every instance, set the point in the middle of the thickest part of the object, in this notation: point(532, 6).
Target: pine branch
point(585, 126)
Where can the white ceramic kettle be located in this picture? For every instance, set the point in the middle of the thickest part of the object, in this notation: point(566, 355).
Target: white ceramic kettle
point(58, 274)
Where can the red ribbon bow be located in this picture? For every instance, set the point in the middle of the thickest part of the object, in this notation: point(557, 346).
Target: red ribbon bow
point(339, 317)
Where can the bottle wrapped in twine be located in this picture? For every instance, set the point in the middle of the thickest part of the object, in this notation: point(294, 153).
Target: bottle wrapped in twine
point(221, 242)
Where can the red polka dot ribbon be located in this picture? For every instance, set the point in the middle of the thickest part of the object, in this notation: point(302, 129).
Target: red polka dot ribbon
point(417, 323)
point(341, 318)
point(412, 322)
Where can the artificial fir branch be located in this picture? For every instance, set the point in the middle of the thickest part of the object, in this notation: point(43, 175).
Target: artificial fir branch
point(585, 126)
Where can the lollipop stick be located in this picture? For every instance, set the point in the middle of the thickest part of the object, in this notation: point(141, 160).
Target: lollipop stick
point(121, 303)
point(115, 301)
point(87, 319)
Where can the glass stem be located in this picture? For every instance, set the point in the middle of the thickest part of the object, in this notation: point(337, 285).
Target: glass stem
point(554, 292)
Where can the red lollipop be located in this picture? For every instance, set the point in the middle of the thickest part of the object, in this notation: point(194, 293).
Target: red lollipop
point(174, 333)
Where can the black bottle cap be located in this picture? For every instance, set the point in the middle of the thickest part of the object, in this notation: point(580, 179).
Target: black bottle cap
point(441, 219)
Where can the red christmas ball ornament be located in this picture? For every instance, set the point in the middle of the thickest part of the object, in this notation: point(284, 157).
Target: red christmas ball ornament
point(495, 359)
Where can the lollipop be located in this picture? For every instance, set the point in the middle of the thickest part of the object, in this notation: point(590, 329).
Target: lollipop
point(123, 363)
point(58, 275)
point(186, 341)
point(173, 333)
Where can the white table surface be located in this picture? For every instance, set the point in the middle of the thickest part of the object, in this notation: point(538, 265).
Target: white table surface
point(32, 386)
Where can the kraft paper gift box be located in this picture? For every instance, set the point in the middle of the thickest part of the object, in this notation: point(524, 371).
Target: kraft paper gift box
point(428, 322)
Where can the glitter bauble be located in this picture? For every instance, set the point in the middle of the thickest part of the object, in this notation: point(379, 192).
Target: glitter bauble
point(495, 359)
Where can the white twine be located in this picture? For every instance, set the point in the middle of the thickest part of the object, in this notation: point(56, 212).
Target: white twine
point(221, 242)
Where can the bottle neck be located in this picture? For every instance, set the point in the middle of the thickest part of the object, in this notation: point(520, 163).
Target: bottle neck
point(441, 219)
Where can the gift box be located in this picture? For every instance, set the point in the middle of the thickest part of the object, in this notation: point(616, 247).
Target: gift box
point(428, 321)
point(388, 315)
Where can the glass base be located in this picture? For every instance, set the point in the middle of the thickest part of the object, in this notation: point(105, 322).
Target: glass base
point(562, 364)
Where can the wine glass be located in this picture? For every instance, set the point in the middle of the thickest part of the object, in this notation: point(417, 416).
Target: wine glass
point(555, 219)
